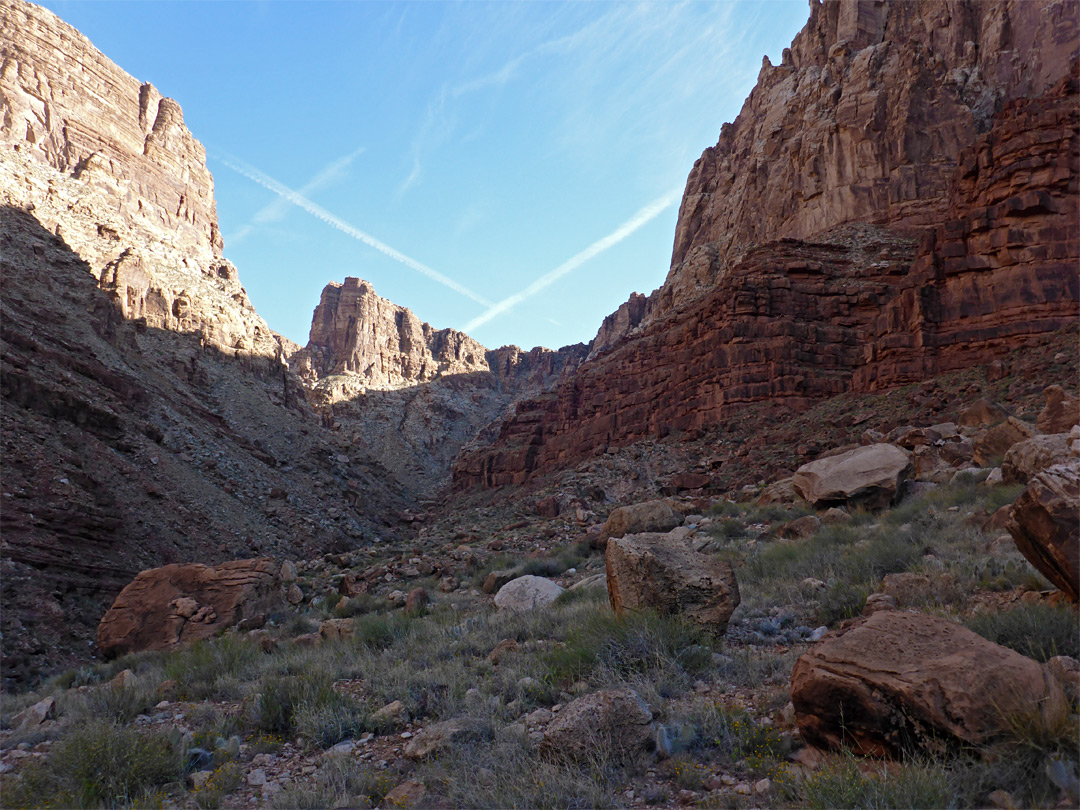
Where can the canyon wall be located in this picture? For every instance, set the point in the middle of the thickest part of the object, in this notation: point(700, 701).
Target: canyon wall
point(897, 198)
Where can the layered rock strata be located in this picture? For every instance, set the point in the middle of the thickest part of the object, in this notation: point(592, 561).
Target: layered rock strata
point(898, 198)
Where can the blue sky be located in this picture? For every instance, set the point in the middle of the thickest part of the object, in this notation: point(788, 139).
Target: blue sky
point(511, 169)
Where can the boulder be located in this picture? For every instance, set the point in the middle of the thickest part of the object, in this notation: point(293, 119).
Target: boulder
point(352, 585)
point(897, 680)
point(869, 476)
point(416, 601)
point(409, 793)
point(153, 612)
point(392, 715)
point(33, 716)
point(336, 629)
point(982, 412)
point(1045, 525)
point(496, 579)
point(650, 516)
point(996, 441)
point(527, 593)
point(1025, 459)
point(800, 528)
point(656, 571)
point(1060, 412)
point(441, 737)
point(781, 492)
point(612, 722)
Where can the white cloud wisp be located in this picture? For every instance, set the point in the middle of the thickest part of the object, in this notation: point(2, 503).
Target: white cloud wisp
point(299, 200)
point(642, 217)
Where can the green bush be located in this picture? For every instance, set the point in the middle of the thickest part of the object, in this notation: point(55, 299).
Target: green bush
point(1039, 631)
point(98, 765)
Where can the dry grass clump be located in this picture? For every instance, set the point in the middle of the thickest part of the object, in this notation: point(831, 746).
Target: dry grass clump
point(99, 765)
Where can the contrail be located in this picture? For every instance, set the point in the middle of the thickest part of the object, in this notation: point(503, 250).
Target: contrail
point(645, 215)
point(299, 200)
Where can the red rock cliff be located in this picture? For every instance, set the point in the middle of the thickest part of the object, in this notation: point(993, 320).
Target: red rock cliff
point(946, 131)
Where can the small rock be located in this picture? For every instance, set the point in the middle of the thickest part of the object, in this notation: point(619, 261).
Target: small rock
point(288, 571)
point(35, 715)
point(198, 779)
point(819, 633)
point(397, 598)
point(392, 714)
point(257, 778)
point(502, 649)
point(294, 595)
point(407, 794)
point(762, 786)
point(743, 789)
point(416, 601)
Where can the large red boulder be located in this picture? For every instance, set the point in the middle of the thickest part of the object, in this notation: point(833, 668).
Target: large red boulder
point(169, 607)
point(1045, 525)
point(897, 680)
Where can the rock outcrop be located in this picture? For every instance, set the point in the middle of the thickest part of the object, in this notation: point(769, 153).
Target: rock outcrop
point(616, 722)
point(1061, 412)
point(898, 680)
point(1045, 524)
point(166, 608)
point(664, 573)
point(639, 518)
point(898, 198)
point(1031, 456)
point(868, 476)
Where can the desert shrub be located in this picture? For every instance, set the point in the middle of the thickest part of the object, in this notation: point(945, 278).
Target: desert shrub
point(111, 704)
point(841, 600)
point(505, 773)
point(329, 722)
point(645, 643)
point(358, 606)
point(284, 701)
point(379, 631)
point(735, 737)
point(841, 783)
point(754, 666)
point(1039, 631)
point(993, 498)
point(213, 669)
point(222, 781)
point(728, 528)
point(340, 782)
point(98, 765)
point(299, 624)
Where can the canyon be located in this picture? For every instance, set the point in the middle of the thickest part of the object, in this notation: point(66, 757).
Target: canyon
point(897, 200)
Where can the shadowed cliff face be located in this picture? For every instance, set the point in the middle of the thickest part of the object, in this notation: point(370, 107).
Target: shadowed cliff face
point(414, 395)
point(944, 135)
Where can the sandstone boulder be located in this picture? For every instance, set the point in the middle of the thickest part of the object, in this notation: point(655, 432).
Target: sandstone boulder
point(336, 629)
point(650, 516)
point(869, 476)
point(1031, 456)
point(800, 528)
point(613, 722)
point(898, 679)
point(981, 412)
point(659, 572)
point(154, 611)
point(1060, 413)
point(527, 593)
point(782, 492)
point(996, 441)
point(1045, 525)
